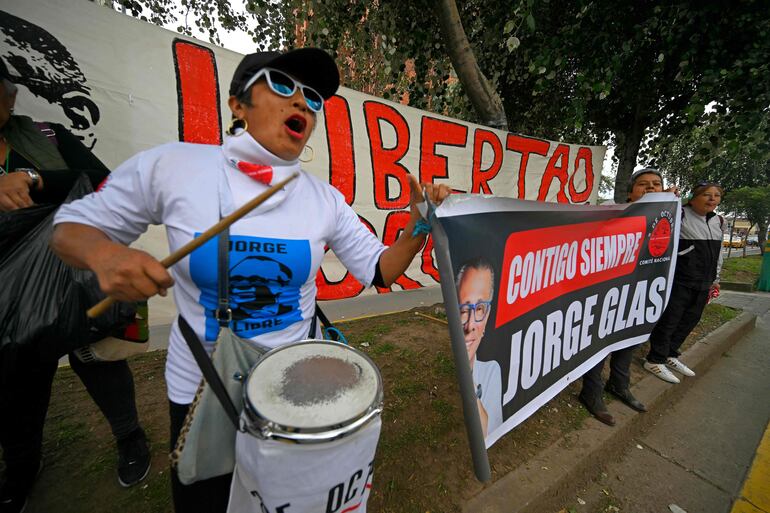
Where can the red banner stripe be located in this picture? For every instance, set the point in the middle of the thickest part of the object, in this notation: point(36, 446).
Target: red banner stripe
point(197, 82)
point(543, 264)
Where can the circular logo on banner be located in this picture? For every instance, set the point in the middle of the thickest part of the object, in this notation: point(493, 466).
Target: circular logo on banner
point(660, 237)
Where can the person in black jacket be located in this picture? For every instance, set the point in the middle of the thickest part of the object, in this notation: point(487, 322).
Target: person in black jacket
point(697, 271)
point(39, 163)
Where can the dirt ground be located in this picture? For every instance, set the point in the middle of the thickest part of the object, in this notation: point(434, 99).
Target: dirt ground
point(423, 461)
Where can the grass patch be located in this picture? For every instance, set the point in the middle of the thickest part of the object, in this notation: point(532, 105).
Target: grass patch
point(406, 390)
point(384, 348)
point(444, 365)
point(69, 431)
point(153, 494)
point(407, 355)
point(714, 315)
point(574, 417)
point(439, 312)
point(442, 408)
point(742, 270)
point(101, 463)
point(370, 335)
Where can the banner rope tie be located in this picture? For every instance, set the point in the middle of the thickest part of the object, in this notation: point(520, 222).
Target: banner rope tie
point(420, 227)
point(428, 212)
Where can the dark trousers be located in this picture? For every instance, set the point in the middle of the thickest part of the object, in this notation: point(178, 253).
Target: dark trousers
point(207, 496)
point(682, 314)
point(620, 376)
point(25, 390)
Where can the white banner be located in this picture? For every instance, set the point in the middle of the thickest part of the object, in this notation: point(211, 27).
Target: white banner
point(123, 86)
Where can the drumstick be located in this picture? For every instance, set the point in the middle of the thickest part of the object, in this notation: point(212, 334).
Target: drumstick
point(176, 256)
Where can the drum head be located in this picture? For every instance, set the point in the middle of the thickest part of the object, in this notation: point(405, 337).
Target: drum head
point(313, 385)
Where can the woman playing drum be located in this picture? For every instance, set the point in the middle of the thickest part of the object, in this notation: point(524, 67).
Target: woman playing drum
point(275, 252)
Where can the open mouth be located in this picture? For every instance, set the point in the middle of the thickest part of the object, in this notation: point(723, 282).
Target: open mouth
point(295, 125)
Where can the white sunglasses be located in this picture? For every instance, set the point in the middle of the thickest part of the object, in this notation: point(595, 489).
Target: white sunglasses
point(283, 85)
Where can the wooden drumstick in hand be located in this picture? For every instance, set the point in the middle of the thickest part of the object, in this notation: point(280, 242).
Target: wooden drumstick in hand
point(176, 256)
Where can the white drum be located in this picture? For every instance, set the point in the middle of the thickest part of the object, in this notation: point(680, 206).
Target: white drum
point(312, 423)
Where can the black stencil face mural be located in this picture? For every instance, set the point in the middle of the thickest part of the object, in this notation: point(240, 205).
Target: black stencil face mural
point(253, 285)
point(39, 62)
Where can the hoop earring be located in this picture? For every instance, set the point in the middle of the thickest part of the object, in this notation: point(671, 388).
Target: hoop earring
point(307, 149)
point(237, 123)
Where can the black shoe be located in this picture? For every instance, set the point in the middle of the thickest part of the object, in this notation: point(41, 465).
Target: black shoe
point(133, 458)
point(12, 499)
point(598, 410)
point(12, 503)
point(627, 398)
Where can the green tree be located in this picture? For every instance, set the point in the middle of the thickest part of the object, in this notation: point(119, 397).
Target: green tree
point(754, 204)
point(688, 159)
point(594, 70)
point(641, 71)
point(632, 73)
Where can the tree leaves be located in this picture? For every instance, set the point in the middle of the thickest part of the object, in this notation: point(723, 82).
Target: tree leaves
point(753, 203)
point(531, 22)
point(580, 70)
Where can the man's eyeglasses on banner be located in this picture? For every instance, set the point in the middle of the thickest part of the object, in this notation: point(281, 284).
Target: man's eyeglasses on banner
point(476, 311)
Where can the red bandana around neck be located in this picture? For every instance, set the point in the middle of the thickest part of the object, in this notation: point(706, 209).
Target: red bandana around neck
point(258, 172)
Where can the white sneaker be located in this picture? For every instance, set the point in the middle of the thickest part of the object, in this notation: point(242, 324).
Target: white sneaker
point(681, 368)
point(661, 371)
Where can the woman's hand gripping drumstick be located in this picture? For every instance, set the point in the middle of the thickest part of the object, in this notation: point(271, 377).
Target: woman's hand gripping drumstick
point(127, 274)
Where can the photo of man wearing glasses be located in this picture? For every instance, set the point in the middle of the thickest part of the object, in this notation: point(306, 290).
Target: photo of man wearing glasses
point(475, 290)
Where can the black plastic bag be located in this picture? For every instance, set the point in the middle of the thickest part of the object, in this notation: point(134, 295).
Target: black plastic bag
point(15, 224)
point(43, 301)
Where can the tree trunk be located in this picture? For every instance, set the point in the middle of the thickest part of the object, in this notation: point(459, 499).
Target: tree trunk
point(746, 240)
point(628, 142)
point(482, 95)
point(761, 231)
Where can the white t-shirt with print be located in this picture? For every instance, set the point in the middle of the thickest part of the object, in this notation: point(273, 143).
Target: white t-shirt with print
point(275, 251)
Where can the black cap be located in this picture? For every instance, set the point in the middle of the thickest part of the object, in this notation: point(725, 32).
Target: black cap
point(637, 174)
point(312, 66)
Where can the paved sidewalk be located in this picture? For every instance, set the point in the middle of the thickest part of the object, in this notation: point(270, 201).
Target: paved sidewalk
point(755, 302)
point(698, 453)
point(755, 495)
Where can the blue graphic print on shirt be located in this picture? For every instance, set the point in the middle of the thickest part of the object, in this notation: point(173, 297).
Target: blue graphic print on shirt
point(265, 279)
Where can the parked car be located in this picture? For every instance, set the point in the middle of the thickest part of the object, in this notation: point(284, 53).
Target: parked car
point(737, 242)
point(752, 240)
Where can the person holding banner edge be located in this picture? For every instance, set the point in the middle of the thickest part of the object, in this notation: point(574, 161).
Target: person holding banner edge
point(642, 181)
point(698, 265)
point(274, 99)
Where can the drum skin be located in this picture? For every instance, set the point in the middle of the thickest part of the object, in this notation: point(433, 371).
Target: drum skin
point(311, 391)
